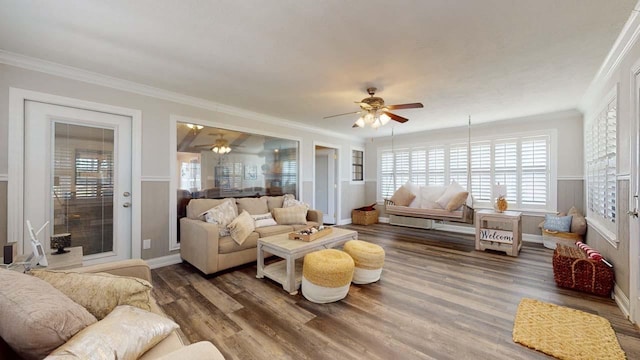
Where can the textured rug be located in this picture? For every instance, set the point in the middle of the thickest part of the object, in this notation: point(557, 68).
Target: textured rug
point(565, 333)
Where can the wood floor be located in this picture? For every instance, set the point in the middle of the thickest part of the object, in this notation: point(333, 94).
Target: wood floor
point(437, 299)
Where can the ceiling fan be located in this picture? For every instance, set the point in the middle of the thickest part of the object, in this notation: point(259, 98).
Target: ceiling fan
point(220, 146)
point(375, 113)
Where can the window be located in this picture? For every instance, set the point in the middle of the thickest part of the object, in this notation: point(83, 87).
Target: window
point(601, 159)
point(522, 163)
point(94, 173)
point(357, 165)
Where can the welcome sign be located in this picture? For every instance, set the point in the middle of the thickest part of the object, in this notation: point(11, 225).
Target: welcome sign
point(496, 235)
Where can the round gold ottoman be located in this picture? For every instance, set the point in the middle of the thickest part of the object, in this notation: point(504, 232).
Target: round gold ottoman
point(369, 259)
point(326, 275)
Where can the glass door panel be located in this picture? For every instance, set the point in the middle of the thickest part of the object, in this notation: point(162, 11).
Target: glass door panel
point(82, 186)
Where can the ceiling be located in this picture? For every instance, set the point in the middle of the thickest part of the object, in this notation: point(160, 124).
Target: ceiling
point(301, 60)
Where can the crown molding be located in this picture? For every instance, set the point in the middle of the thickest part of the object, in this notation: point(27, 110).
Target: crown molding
point(69, 72)
point(621, 47)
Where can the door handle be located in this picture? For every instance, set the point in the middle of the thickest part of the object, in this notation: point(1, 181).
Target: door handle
point(127, 204)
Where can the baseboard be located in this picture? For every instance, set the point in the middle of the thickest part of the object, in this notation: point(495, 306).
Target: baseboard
point(383, 220)
point(622, 300)
point(164, 261)
point(454, 228)
point(344, 222)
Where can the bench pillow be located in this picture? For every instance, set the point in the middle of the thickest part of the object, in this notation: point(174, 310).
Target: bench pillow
point(557, 223)
point(402, 197)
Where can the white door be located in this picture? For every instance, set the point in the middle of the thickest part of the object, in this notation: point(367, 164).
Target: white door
point(634, 222)
point(325, 184)
point(77, 176)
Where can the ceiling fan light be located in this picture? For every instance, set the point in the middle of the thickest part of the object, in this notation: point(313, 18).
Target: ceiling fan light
point(368, 119)
point(384, 119)
point(360, 122)
point(376, 124)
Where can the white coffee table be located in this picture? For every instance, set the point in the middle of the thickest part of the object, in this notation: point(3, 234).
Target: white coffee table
point(285, 272)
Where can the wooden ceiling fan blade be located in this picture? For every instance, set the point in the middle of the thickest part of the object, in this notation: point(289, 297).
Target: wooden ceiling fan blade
point(349, 113)
point(397, 118)
point(405, 106)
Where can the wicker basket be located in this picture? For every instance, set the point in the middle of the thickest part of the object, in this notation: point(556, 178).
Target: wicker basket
point(572, 269)
point(551, 238)
point(360, 217)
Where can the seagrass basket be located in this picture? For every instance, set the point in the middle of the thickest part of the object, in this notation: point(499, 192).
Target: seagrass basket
point(572, 269)
point(362, 217)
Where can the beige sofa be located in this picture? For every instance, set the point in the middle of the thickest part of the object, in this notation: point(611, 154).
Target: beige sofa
point(172, 347)
point(202, 247)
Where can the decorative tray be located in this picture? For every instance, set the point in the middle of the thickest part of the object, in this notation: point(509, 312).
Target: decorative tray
point(310, 234)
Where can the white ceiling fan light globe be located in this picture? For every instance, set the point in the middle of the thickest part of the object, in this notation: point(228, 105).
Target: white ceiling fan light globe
point(384, 119)
point(376, 124)
point(360, 122)
point(368, 119)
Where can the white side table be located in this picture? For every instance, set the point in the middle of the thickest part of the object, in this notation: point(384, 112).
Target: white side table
point(499, 231)
point(70, 260)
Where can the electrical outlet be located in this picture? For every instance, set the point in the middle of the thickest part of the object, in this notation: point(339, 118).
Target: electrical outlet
point(146, 244)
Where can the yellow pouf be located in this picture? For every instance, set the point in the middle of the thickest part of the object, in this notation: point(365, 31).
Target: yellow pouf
point(326, 275)
point(368, 258)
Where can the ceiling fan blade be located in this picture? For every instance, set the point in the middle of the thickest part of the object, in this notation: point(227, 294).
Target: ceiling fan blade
point(405, 106)
point(397, 118)
point(349, 113)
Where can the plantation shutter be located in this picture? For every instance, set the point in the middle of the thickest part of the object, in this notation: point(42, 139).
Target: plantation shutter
point(506, 167)
point(387, 186)
point(402, 170)
point(435, 165)
point(481, 171)
point(535, 182)
point(419, 167)
point(458, 164)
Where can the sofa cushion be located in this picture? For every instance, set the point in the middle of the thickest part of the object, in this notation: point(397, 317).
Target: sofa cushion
point(403, 196)
point(274, 201)
point(197, 207)
point(429, 196)
point(290, 201)
point(263, 220)
point(274, 230)
point(253, 206)
point(227, 245)
point(99, 293)
point(35, 317)
point(291, 215)
point(241, 227)
point(222, 214)
point(126, 333)
point(452, 190)
point(457, 200)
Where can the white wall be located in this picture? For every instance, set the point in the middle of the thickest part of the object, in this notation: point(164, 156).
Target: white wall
point(156, 129)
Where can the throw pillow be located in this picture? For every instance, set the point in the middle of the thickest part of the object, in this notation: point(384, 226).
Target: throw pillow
point(99, 293)
point(254, 206)
point(403, 197)
point(457, 201)
point(429, 195)
point(296, 215)
point(452, 190)
point(578, 221)
point(222, 215)
point(557, 223)
point(264, 220)
point(241, 227)
point(290, 201)
point(36, 318)
point(274, 201)
point(126, 333)
point(414, 189)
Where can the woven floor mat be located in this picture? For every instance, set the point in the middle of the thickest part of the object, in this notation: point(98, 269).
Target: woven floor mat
point(565, 333)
